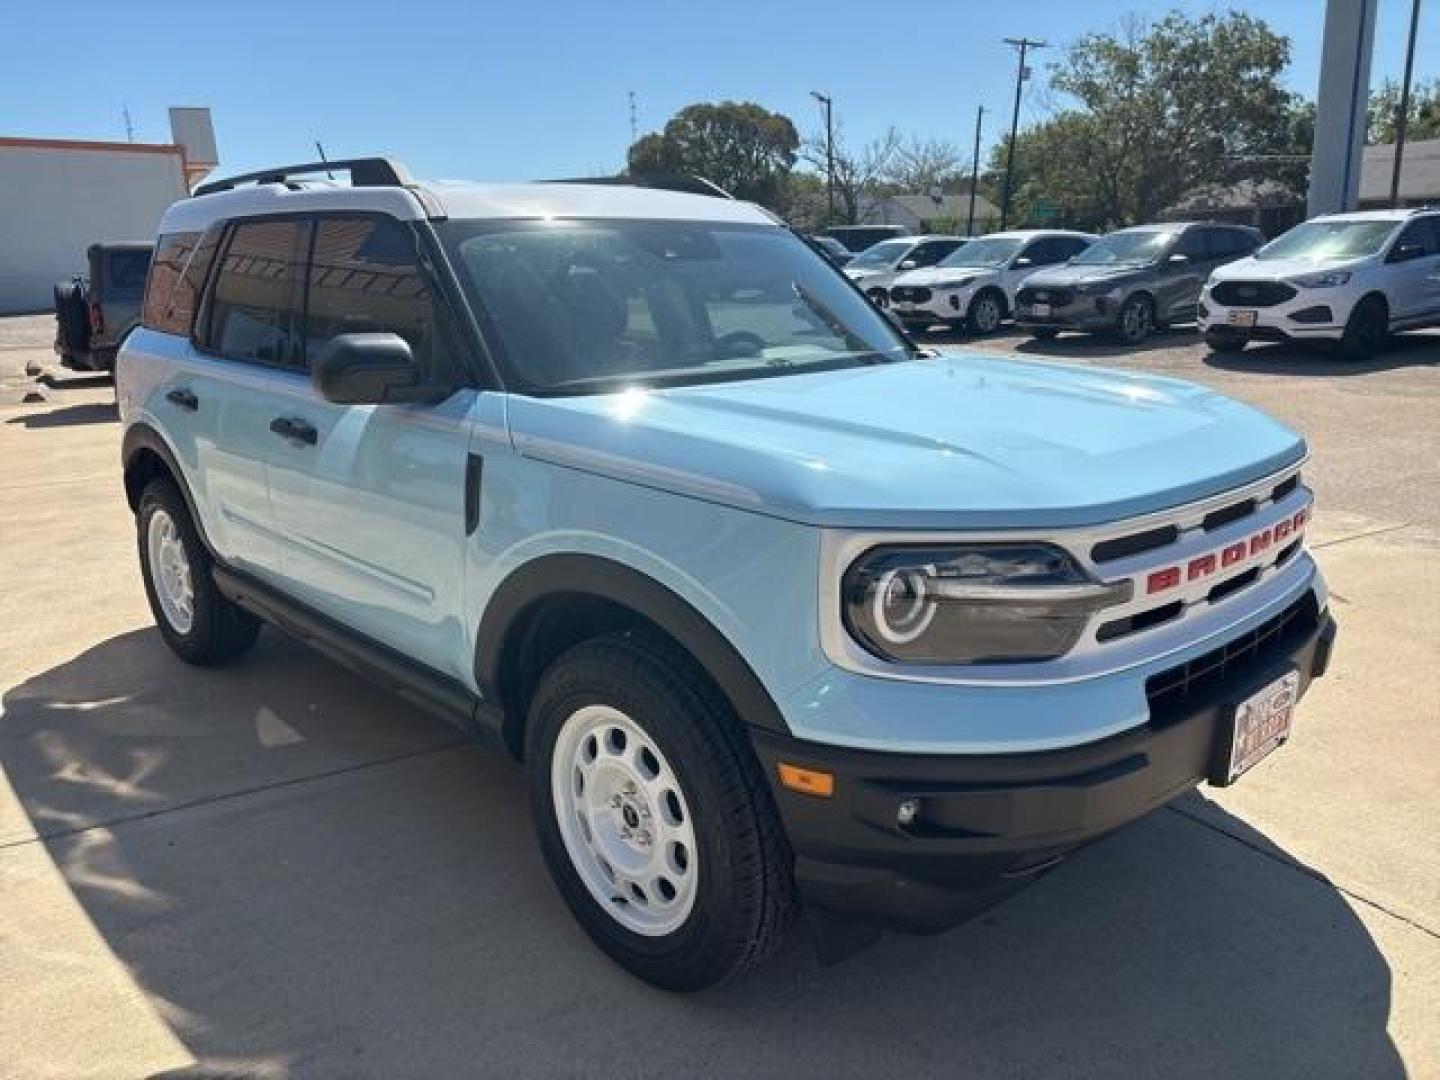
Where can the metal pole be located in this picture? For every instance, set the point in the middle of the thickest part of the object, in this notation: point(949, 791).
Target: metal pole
point(1024, 45)
point(1404, 113)
point(828, 106)
point(974, 172)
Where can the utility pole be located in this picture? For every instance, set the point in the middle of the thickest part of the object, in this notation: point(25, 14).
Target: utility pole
point(828, 105)
point(1403, 115)
point(1022, 73)
point(130, 127)
point(975, 171)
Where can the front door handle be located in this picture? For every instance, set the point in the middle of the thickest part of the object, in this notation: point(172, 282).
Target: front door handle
point(292, 427)
point(186, 399)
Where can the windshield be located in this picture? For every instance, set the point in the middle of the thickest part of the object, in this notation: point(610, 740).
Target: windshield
point(987, 251)
point(591, 306)
point(882, 256)
point(1329, 240)
point(1130, 248)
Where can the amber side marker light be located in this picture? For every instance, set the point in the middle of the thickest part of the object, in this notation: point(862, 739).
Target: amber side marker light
point(807, 781)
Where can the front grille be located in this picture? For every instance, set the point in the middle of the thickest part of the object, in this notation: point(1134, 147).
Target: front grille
point(1035, 294)
point(1207, 676)
point(1253, 293)
point(1135, 543)
point(910, 294)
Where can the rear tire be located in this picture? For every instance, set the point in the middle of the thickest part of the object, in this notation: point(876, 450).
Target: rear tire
point(1366, 330)
point(663, 840)
point(196, 621)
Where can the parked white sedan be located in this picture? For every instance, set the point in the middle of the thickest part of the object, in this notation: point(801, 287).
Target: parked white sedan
point(975, 287)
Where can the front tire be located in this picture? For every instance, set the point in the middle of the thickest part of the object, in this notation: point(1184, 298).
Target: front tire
point(1136, 320)
point(1365, 330)
point(985, 312)
point(1225, 343)
point(653, 814)
point(196, 621)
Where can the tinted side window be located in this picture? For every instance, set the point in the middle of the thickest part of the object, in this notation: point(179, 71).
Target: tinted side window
point(256, 302)
point(932, 251)
point(1045, 252)
point(1192, 243)
point(171, 254)
point(366, 276)
point(1071, 246)
point(125, 271)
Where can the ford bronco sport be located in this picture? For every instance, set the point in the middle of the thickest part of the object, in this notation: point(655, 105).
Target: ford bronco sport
point(781, 614)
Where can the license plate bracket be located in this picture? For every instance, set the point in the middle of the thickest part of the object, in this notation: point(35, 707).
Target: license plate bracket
point(1243, 317)
point(1254, 728)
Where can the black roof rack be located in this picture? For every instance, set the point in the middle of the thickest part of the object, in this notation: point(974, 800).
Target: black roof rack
point(364, 172)
point(688, 185)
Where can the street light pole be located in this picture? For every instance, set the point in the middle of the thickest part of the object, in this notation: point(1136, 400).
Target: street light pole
point(1024, 45)
point(1404, 114)
point(828, 106)
point(974, 172)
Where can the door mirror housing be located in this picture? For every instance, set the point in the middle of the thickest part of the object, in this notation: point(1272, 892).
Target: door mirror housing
point(909, 264)
point(1178, 259)
point(1024, 260)
point(370, 369)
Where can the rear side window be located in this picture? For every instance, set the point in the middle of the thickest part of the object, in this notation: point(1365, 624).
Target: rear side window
point(258, 295)
point(177, 276)
point(366, 277)
point(172, 253)
point(125, 271)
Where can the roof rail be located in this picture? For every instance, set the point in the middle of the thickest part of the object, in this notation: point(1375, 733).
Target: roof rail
point(689, 185)
point(364, 172)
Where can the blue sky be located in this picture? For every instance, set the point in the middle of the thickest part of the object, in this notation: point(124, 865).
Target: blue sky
point(490, 90)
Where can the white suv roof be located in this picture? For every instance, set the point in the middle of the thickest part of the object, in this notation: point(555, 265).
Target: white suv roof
point(408, 199)
point(1376, 215)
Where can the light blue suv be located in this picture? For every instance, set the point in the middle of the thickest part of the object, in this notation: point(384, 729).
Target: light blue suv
point(781, 614)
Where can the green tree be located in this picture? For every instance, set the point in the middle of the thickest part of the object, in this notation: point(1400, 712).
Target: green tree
point(1422, 120)
point(746, 149)
point(1160, 108)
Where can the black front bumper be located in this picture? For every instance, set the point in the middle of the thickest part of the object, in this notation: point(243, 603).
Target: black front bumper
point(988, 824)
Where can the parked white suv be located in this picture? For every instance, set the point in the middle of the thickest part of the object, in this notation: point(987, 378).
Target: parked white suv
point(1346, 278)
point(875, 268)
point(975, 287)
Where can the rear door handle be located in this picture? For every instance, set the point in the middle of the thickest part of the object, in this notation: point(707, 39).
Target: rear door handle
point(292, 427)
point(186, 399)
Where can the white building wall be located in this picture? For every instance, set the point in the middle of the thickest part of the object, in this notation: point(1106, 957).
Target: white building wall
point(56, 200)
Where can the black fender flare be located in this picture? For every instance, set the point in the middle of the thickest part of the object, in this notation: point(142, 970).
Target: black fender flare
point(142, 438)
point(598, 577)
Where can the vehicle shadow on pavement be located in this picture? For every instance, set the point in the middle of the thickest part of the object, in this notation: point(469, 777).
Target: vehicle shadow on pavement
point(92, 412)
point(1402, 351)
point(306, 877)
point(1071, 345)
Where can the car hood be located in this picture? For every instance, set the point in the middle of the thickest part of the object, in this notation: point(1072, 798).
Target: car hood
point(933, 275)
point(1251, 268)
point(957, 441)
point(1086, 275)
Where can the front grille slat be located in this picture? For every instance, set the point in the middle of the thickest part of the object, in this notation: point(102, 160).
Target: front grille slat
point(1253, 293)
point(910, 294)
point(1170, 691)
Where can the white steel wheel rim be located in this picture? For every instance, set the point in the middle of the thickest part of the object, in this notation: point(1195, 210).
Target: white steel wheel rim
point(625, 821)
point(170, 571)
point(987, 313)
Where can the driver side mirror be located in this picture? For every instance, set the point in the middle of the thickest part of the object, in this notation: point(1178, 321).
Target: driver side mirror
point(1024, 260)
point(1178, 259)
point(370, 369)
point(909, 264)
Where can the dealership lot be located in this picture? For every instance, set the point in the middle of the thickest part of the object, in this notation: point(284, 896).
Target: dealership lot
point(274, 870)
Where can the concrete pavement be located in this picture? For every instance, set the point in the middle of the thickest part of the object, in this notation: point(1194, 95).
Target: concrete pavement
point(276, 870)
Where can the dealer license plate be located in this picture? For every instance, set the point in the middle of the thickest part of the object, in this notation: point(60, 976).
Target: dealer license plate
point(1040, 310)
point(1261, 723)
point(1242, 318)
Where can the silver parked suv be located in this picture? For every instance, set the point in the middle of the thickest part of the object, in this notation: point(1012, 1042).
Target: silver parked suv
point(1132, 281)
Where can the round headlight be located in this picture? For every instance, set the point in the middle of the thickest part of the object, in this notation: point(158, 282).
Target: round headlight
point(901, 607)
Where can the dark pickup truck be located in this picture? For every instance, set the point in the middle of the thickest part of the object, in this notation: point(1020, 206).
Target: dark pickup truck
point(94, 312)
